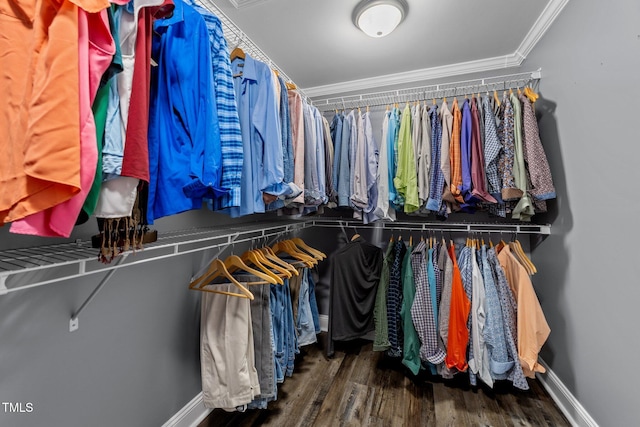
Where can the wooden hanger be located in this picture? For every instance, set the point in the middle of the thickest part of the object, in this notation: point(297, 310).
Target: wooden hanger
point(280, 270)
point(217, 266)
point(529, 93)
point(526, 262)
point(291, 250)
point(235, 263)
point(252, 258)
point(270, 255)
point(312, 251)
point(496, 98)
point(237, 53)
point(355, 236)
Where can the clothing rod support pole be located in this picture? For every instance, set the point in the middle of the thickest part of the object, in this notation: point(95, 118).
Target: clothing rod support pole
point(73, 322)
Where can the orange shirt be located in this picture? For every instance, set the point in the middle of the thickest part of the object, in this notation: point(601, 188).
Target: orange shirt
point(458, 338)
point(454, 152)
point(39, 115)
point(532, 326)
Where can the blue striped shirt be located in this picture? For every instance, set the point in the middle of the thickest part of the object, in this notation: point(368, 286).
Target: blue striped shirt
point(224, 93)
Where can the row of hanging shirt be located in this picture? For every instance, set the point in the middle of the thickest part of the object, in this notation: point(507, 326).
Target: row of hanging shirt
point(485, 154)
point(161, 103)
point(55, 131)
point(159, 122)
point(460, 308)
point(257, 310)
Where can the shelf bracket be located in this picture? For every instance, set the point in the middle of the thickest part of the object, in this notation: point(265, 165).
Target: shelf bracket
point(73, 322)
point(3, 285)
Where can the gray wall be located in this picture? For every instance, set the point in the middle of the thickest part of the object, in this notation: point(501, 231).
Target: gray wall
point(134, 361)
point(588, 267)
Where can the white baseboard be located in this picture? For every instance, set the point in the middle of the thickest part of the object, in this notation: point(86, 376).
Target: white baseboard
point(324, 322)
point(190, 415)
point(566, 401)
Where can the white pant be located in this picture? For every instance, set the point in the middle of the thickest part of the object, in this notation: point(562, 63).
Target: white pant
point(229, 376)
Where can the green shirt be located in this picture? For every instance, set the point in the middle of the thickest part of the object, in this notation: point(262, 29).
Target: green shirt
point(524, 209)
point(406, 179)
point(381, 340)
point(411, 347)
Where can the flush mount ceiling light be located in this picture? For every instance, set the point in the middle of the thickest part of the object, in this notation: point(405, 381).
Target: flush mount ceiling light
point(377, 18)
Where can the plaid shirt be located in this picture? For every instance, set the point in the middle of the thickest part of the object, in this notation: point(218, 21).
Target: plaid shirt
point(509, 307)
point(394, 301)
point(492, 148)
point(422, 309)
point(230, 136)
point(435, 202)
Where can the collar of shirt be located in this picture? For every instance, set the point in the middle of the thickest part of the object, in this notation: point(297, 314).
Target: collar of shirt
point(177, 16)
point(249, 69)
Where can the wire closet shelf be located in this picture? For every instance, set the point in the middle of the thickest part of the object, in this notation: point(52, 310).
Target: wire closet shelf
point(430, 92)
point(238, 38)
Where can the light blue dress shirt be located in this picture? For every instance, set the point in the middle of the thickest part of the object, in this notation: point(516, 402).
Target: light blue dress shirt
point(392, 155)
point(344, 183)
point(336, 137)
point(263, 168)
point(227, 111)
point(312, 196)
point(320, 155)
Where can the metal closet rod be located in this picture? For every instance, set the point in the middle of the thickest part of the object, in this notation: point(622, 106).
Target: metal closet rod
point(544, 229)
point(428, 92)
point(242, 40)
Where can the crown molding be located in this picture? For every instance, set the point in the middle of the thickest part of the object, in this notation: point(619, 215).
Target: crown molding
point(515, 59)
point(540, 27)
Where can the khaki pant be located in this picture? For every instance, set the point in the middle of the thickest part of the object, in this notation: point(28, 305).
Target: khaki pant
point(229, 376)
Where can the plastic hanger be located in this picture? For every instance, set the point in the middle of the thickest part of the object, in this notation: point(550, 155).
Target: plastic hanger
point(252, 258)
point(218, 267)
point(235, 263)
point(314, 252)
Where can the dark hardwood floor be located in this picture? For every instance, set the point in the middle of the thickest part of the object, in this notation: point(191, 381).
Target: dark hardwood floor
point(359, 387)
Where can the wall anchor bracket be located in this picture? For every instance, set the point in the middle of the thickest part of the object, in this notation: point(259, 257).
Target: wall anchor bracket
point(73, 322)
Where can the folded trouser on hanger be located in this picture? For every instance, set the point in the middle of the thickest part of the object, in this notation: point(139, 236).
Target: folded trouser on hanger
point(229, 376)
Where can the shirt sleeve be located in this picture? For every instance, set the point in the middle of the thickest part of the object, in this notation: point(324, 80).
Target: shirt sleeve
point(228, 119)
point(267, 125)
point(206, 157)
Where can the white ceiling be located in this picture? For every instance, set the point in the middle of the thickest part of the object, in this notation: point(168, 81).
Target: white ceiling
point(317, 45)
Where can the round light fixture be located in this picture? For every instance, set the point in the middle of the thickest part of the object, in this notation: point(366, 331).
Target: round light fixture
point(378, 18)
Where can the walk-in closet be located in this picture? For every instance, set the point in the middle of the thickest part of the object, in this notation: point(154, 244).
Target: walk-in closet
point(336, 213)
